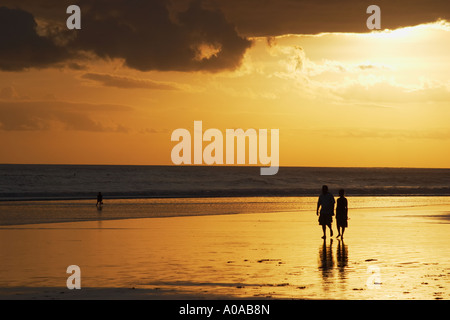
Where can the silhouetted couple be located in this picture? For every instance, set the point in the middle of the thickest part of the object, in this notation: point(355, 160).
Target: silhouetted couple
point(326, 205)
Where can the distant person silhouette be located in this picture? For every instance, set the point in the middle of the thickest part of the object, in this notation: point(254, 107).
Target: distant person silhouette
point(326, 205)
point(341, 213)
point(99, 199)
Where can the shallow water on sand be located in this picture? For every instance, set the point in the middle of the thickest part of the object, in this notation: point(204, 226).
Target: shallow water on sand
point(31, 212)
point(387, 253)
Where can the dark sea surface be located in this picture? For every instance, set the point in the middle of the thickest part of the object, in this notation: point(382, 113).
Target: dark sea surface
point(53, 182)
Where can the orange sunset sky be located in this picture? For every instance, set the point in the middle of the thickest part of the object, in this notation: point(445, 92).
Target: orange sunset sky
point(113, 92)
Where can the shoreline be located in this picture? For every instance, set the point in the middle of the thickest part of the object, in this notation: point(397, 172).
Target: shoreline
point(54, 211)
point(218, 195)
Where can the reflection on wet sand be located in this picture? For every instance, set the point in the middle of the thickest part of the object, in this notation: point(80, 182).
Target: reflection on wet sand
point(327, 263)
point(342, 257)
point(342, 263)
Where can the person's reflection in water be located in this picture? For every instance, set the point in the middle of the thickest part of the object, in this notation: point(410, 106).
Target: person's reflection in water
point(326, 262)
point(342, 259)
point(334, 280)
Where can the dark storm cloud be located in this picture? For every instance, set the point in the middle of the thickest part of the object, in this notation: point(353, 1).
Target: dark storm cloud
point(20, 45)
point(145, 34)
point(278, 17)
point(179, 35)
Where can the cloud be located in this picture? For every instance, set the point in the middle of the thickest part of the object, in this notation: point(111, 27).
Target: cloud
point(127, 83)
point(372, 133)
point(145, 35)
point(279, 17)
point(21, 46)
point(380, 90)
point(155, 131)
point(59, 115)
point(76, 66)
point(178, 35)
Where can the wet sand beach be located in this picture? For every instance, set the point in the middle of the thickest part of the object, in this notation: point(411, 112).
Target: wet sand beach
point(387, 253)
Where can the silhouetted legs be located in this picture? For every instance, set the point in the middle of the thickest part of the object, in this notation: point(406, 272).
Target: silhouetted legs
point(340, 234)
point(324, 229)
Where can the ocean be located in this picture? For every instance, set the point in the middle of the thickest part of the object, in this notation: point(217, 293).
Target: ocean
point(62, 193)
point(54, 182)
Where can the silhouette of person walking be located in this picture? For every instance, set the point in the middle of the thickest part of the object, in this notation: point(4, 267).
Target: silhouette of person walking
point(99, 199)
point(326, 205)
point(341, 213)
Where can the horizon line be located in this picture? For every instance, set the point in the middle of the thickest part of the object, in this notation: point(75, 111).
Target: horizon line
point(220, 165)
